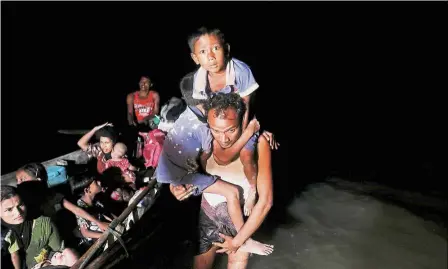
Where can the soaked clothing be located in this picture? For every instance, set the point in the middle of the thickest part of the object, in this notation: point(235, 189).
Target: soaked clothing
point(44, 239)
point(94, 151)
point(123, 164)
point(144, 107)
point(239, 79)
point(179, 161)
point(212, 221)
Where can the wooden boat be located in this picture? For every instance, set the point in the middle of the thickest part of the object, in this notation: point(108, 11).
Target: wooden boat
point(119, 242)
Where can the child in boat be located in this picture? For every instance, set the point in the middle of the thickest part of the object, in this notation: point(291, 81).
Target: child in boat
point(119, 160)
point(219, 72)
point(89, 188)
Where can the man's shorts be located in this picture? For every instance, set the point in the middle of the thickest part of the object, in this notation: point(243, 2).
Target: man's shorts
point(209, 228)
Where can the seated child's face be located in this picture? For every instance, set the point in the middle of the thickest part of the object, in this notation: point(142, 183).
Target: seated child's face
point(209, 53)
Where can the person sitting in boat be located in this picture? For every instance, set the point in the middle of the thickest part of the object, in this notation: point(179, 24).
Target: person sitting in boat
point(186, 149)
point(89, 187)
point(30, 241)
point(32, 183)
point(216, 229)
point(119, 159)
point(143, 105)
point(102, 150)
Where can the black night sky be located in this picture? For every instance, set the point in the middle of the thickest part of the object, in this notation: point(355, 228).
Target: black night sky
point(350, 89)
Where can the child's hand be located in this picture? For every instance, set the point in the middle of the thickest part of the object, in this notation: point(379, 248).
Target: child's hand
point(253, 126)
point(96, 128)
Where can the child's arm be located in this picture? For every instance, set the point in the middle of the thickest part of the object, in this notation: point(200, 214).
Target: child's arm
point(83, 214)
point(246, 100)
point(90, 234)
point(229, 154)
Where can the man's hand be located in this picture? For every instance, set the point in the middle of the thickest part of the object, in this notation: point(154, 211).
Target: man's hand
point(270, 138)
point(182, 192)
point(227, 246)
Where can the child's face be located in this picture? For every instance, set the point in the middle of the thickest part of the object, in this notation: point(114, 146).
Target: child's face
point(209, 53)
point(118, 152)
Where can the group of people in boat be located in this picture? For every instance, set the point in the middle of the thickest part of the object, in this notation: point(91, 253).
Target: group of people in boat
point(214, 149)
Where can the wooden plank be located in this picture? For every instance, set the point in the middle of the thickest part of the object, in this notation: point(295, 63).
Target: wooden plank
point(79, 157)
point(84, 260)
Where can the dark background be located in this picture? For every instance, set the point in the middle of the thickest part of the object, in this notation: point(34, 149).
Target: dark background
point(349, 89)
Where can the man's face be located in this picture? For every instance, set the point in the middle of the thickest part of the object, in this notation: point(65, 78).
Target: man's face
point(209, 53)
point(12, 210)
point(144, 84)
point(225, 128)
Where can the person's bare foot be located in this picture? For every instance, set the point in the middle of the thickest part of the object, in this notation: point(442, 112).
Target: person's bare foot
point(256, 247)
point(250, 201)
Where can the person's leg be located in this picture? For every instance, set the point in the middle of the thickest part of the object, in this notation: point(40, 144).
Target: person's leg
point(205, 260)
point(247, 157)
point(238, 260)
point(232, 195)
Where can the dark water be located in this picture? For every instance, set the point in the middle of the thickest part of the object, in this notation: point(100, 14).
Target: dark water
point(345, 94)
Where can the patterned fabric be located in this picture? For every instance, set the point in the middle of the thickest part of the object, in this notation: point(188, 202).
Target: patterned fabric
point(123, 164)
point(94, 151)
point(85, 223)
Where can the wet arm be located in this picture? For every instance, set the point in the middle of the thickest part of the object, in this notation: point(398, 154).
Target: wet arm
point(130, 106)
point(156, 103)
point(246, 100)
point(265, 192)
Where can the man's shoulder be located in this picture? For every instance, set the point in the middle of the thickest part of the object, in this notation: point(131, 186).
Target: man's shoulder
point(263, 143)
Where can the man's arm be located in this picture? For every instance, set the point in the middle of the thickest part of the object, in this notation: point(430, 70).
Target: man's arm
point(156, 103)
point(265, 193)
point(130, 105)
